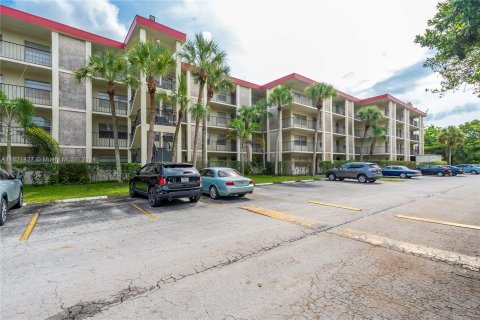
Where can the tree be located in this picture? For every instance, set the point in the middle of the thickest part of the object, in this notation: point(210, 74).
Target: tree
point(279, 97)
point(199, 112)
point(431, 144)
point(218, 80)
point(454, 35)
point(42, 142)
point(203, 55)
point(180, 98)
point(153, 60)
point(451, 137)
point(263, 114)
point(370, 115)
point(248, 114)
point(469, 150)
point(377, 133)
point(318, 92)
point(112, 67)
point(241, 131)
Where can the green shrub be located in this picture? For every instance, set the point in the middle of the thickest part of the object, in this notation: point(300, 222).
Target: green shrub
point(75, 173)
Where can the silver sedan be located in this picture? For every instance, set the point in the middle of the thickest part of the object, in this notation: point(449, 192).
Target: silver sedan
point(11, 190)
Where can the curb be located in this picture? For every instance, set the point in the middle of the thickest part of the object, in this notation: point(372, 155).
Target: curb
point(264, 184)
point(287, 182)
point(81, 199)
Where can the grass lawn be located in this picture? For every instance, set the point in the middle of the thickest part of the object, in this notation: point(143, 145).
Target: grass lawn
point(58, 192)
point(392, 179)
point(264, 179)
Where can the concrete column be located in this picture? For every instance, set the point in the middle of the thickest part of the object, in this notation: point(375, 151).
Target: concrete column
point(55, 87)
point(129, 124)
point(237, 103)
point(323, 135)
point(330, 108)
point(267, 143)
point(178, 72)
point(406, 140)
point(189, 123)
point(88, 107)
point(143, 110)
point(352, 104)
point(421, 136)
point(347, 130)
point(393, 131)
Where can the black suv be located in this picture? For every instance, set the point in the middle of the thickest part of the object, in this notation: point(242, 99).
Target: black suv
point(167, 181)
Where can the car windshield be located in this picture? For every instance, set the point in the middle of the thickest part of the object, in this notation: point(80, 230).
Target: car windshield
point(228, 173)
point(404, 168)
point(374, 166)
point(179, 170)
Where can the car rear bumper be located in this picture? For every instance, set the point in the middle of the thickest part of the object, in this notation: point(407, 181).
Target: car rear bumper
point(175, 194)
point(229, 191)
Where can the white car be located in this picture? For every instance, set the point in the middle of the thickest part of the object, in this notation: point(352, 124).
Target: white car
point(11, 190)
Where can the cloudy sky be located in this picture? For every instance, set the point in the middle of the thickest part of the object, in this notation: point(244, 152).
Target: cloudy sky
point(364, 48)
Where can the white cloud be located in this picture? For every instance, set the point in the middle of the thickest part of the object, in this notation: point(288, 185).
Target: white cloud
point(99, 16)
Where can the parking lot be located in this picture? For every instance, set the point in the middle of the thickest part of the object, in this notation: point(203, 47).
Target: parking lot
point(326, 250)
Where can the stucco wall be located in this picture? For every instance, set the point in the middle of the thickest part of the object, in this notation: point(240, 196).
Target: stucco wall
point(72, 154)
point(72, 128)
point(244, 96)
point(72, 92)
point(71, 53)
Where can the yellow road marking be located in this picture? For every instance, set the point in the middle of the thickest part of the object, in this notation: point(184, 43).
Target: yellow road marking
point(469, 226)
point(144, 211)
point(30, 226)
point(334, 205)
point(280, 216)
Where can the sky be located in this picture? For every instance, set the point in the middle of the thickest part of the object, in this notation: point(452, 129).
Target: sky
point(364, 48)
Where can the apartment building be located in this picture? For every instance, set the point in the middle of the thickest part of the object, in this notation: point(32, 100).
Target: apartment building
point(38, 59)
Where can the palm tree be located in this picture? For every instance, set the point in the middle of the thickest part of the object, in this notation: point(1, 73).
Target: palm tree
point(18, 110)
point(451, 137)
point(112, 67)
point(248, 114)
point(202, 55)
point(318, 92)
point(218, 80)
point(377, 133)
point(199, 112)
point(263, 114)
point(181, 99)
point(370, 115)
point(238, 130)
point(153, 60)
point(279, 97)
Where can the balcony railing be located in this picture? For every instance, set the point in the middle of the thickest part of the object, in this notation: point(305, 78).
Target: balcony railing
point(414, 123)
point(225, 98)
point(414, 137)
point(162, 154)
point(25, 53)
point(299, 146)
point(222, 145)
point(414, 151)
point(399, 134)
point(400, 150)
point(339, 129)
point(299, 123)
point(400, 118)
point(301, 99)
point(35, 96)
point(166, 118)
point(103, 105)
point(221, 122)
point(167, 82)
point(338, 110)
point(376, 150)
point(339, 149)
point(16, 133)
point(134, 126)
point(257, 148)
point(105, 139)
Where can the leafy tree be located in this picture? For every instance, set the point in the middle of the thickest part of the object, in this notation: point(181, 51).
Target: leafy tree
point(431, 144)
point(451, 137)
point(112, 67)
point(454, 35)
point(377, 133)
point(42, 142)
point(153, 60)
point(469, 150)
point(369, 115)
point(199, 112)
point(203, 55)
point(180, 98)
point(279, 97)
point(318, 92)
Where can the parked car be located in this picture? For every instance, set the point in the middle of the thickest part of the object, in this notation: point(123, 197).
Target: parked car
point(362, 171)
point(455, 170)
point(435, 170)
point(222, 182)
point(400, 171)
point(470, 168)
point(11, 190)
point(166, 181)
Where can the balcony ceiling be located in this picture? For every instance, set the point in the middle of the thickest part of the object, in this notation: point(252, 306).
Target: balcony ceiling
point(20, 27)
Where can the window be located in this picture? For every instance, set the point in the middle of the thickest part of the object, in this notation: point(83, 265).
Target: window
point(300, 141)
point(105, 96)
point(221, 140)
point(168, 137)
point(38, 91)
point(355, 166)
point(228, 173)
point(37, 53)
point(207, 173)
point(105, 130)
point(42, 122)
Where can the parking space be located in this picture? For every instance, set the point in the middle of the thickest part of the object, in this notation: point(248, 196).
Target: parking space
point(86, 258)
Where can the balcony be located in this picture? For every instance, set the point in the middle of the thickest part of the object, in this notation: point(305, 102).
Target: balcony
point(414, 151)
point(376, 150)
point(25, 53)
point(338, 110)
point(385, 113)
point(35, 96)
point(134, 126)
point(103, 105)
point(162, 155)
point(399, 134)
point(221, 122)
point(105, 139)
point(400, 150)
point(400, 118)
point(222, 146)
point(17, 135)
point(167, 83)
point(301, 99)
point(414, 137)
point(166, 118)
point(338, 129)
point(299, 146)
point(257, 148)
point(299, 123)
point(339, 149)
point(225, 98)
point(414, 123)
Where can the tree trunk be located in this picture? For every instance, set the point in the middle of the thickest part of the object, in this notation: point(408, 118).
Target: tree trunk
point(315, 142)
point(204, 136)
point(450, 155)
point(111, 94)
point(152, 88)
point(372, 146)
point(197, 122)
point(175, 137)
point(242, 145)
point(363, 141)
point(277, 143)
point(264, 154)
point(9, 148)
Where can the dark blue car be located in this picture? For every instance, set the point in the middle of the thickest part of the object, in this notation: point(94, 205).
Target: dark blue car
point(400, 171)
point(455, 170)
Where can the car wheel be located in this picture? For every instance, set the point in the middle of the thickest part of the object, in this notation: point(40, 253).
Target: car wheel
point(132, 191)
point(332, 177)
point(19, 203)
point(195, 199)
point(341, 179)
point(403, 175)
point(372, 181)
point(152, 199)
point(213, 192)
point(362, 178)
point(473, 172)
point(241, 195)
point(4, 210)
point(440, 174)
point(454, 174)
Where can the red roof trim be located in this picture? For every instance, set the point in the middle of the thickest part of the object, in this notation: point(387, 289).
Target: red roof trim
point(155, 26)
point(245, 83)
point(386, 96)
point(62, 28)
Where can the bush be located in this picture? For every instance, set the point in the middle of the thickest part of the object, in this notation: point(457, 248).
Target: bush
point(75, 173)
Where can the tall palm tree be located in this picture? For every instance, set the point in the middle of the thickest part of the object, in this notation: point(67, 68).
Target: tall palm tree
point(238, 130)
point(153, 60)
point(370, 115)
point(218, 80)
point(18, 110)
point(112, 67)
point(318, 92)
point(199, 112)
point(377, 133)
point(202, 54)
point(180, 98)
point(451, 137)
point(263, 114)
point(279, 97)
point(248, 114)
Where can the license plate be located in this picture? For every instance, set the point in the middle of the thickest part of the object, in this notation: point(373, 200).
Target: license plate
point(185, 179)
